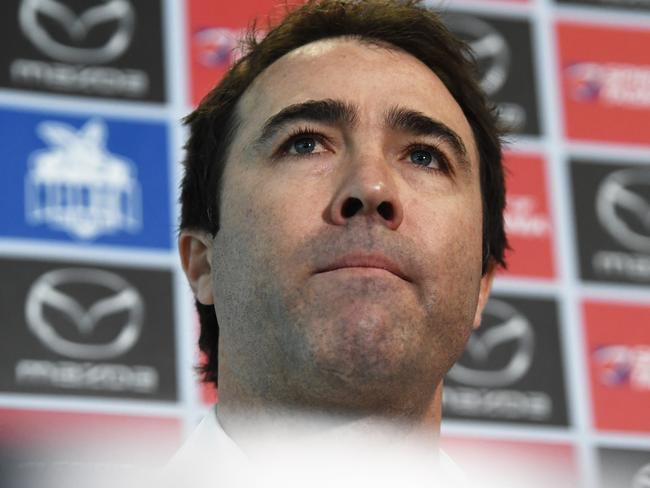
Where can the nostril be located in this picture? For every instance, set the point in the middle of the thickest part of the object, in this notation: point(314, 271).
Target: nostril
point(351, 207)
point(386, 210)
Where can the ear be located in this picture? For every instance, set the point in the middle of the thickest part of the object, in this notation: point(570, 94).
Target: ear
point(484, 292)
point(195, 248)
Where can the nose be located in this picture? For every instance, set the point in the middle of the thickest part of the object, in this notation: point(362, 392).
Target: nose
point(367, 189)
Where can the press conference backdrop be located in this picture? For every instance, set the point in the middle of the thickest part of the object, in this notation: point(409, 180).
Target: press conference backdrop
point(98, 326)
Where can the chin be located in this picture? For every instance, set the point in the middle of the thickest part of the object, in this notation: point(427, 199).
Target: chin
point(353, 347)
point(365, 352)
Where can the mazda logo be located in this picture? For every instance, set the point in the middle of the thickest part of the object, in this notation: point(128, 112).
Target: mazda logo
point(50, 308)
point(642, 478)
point(77, 29)
point(488, 46)
point(503, 326)
point(623, 207)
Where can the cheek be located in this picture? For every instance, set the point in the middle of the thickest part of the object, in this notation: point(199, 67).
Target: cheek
point(263, 219)
point(449, 227)
point(451, 234)
point(466, 234)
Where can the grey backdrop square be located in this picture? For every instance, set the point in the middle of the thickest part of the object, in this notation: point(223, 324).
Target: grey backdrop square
point(611, 204)
point(84, 48)
point(512, 369)
point(623, 468)
point(84, 329)
point(503, 48)
point(617, 4)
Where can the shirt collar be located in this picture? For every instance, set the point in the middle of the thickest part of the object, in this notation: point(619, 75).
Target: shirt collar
point(210, 457)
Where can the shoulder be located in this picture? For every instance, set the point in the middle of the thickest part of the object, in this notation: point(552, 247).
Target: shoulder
point(207, 457)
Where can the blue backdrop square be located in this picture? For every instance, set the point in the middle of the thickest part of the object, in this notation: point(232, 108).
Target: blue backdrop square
point(85, 179)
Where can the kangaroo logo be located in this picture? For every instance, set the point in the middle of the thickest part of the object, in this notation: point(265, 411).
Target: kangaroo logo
point(78, 186)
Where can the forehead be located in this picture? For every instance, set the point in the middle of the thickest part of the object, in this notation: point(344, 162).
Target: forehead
point(370, 77)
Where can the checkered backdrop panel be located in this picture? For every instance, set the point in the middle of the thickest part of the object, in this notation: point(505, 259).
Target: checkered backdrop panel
point(100, 329)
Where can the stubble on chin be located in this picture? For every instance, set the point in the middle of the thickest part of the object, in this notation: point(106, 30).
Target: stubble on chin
point(367, 343)
point(346, 342)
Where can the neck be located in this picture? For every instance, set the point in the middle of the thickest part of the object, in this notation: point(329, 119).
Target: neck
point(257, 423)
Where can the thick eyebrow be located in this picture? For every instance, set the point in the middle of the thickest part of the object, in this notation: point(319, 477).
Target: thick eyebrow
point(417, 123)
point(333, 112)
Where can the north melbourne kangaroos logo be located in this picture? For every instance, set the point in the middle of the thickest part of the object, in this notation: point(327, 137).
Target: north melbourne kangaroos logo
point(78, 186)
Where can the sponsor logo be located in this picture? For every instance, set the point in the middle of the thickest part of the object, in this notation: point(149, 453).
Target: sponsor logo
point(87, 376)
point(493, 57)
point(500, 404)
point(489, 48)
point(622, 264)
point(523, 218)
point(612, 215)
point(624, 210)
point(642, 478)
point(100, 80)
point(623, 366)
point(120, 307)
point(511, 326)
point(119, 13)
point(618, 354)
point(86, 181)
point(88, 330)
point(217, 47)
point(610, 82)
point(624, 4)
point(626, 468)
point(97, 48)
point(616, 84)
point(498, 376)
point(78, 186)
point(104, 327)
point(528, 221)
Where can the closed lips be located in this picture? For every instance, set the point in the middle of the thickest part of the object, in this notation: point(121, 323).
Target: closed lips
point(365, 261)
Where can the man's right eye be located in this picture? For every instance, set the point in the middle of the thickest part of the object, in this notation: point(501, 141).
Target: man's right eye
point(303, 145)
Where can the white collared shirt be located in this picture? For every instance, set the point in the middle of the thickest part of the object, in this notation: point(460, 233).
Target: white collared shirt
point(210, 458)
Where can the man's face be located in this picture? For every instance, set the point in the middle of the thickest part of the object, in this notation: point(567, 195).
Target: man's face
point(347, 267)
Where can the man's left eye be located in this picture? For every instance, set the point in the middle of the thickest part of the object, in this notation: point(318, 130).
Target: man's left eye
point(422, 157)
point(304, 145)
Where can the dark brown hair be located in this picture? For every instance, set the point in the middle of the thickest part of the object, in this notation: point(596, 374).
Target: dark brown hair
point(405, 25)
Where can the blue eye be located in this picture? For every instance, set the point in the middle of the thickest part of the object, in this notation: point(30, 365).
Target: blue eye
point(421, 157)
point(304, 145)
